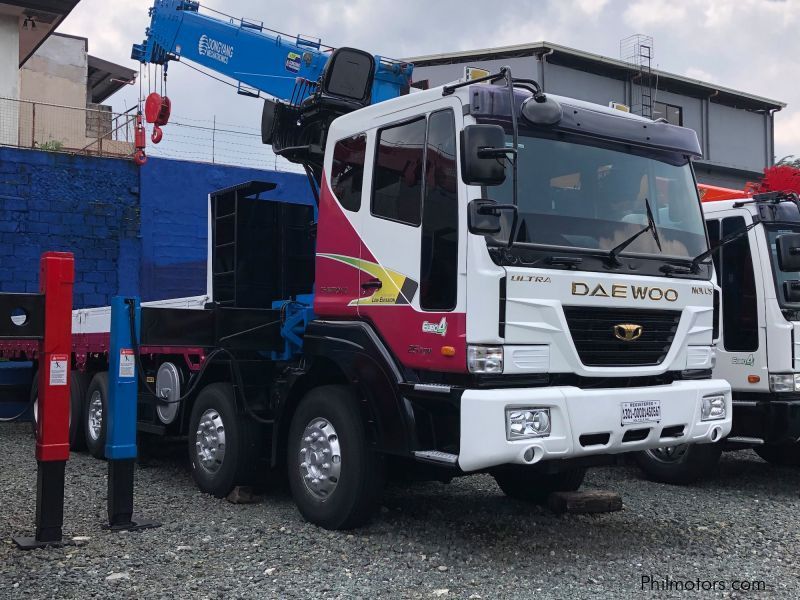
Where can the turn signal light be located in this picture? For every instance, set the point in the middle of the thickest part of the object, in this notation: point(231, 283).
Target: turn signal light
point(448, 351)
point(753, 379)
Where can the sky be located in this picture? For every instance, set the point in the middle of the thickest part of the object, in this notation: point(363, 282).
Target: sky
point(747, 45)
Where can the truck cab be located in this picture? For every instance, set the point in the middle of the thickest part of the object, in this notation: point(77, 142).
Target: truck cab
point(756, 333)
point(542, 344)
point(758, 347)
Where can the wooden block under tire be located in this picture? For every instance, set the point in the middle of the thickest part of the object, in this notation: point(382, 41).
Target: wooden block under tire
point(243, 494)
point(584, 501)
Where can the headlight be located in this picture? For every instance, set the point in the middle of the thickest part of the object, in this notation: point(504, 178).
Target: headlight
point(713, 408)
point(485, 359)
point(784, 382)
point(527, 422)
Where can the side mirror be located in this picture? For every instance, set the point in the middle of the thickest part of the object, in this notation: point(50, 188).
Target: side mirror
point(483, 216)
point(791, 290)
point(788, 246)
point(483, 150)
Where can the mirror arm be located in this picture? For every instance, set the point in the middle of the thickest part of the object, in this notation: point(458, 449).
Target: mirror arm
point(496, 152)
point(496, 208)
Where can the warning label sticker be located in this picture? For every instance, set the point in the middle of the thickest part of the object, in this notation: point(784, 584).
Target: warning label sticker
point(127, 363)
point(58, 369)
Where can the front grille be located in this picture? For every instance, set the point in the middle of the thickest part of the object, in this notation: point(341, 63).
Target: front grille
point(592, 331)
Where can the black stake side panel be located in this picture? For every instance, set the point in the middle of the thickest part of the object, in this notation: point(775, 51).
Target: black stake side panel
point(27, 326)
point(231, 328)
point(177, 327)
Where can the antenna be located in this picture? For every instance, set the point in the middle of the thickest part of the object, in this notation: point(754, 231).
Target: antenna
point(637, 50)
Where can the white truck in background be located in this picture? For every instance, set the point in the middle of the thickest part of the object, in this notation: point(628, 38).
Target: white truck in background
point(758, 337)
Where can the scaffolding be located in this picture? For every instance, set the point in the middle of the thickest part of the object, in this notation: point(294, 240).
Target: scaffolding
point(637, 50)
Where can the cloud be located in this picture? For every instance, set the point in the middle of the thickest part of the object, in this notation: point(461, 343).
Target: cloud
point(645, 14)
point(591, 8)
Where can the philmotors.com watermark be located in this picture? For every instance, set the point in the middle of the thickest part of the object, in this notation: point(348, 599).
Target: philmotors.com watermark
point(649, 583)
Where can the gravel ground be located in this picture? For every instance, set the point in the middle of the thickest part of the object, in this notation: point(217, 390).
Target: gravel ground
point(463, 540)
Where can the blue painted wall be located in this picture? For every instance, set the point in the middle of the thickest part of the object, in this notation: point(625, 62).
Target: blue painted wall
point(86, 205)
point(134, 231)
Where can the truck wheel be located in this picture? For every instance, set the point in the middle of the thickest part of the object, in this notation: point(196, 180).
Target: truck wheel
point(784, 455)
point(530, 484)
point(95, 413)
point(334, 475)
point(223, 444)
point(680, 464)
point(77, 393)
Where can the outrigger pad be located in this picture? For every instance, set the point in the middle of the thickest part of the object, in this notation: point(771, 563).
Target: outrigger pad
point(585, 502)
point(31, 543)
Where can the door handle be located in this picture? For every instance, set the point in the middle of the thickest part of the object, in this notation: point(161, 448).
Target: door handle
point(372, 284)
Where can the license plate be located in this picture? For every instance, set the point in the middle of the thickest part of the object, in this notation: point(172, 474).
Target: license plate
point(641, 411)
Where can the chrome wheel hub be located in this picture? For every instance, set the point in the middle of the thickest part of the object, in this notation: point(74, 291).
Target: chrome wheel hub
point(668, 454)
point(95, 421)
point(320, 458)
point(210, 441)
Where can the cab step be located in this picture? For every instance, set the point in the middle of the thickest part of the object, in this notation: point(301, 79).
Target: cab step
point(745, 440)
point(436, 457)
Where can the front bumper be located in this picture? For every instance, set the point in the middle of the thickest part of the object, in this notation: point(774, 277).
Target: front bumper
point(582, 417)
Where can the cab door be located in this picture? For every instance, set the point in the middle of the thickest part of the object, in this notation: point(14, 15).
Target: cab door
point(410, 255)
point(741, 349)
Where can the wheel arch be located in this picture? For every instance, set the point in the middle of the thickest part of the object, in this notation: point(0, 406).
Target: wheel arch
point(351, 353)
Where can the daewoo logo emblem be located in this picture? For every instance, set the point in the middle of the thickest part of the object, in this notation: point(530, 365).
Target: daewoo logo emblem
point(627, 332)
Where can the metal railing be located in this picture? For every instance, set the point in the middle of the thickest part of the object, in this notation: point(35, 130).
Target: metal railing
point(93, 129)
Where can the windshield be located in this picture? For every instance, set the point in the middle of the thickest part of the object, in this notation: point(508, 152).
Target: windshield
point(583, 196)
point(773, 232)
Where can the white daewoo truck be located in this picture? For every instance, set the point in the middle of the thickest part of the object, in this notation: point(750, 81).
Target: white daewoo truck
point(439, 338)
point(497, 280)
point(758, 347)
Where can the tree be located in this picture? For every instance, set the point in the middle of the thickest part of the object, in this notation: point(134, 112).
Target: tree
point(790, 161)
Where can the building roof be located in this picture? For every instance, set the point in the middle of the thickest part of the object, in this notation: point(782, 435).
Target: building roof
point(105, 78)
point(619, 69)
point(38, 19)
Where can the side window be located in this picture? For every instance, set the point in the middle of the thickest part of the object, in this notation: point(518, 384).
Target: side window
point(347, 173)
point(739, 301)
point(397, 180)
point(439, 262)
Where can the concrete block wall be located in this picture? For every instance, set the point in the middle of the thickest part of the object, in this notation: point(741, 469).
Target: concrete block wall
point(85, 205)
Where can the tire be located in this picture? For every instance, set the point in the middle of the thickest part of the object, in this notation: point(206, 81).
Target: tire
point(77, 394)
point(785, 455)
point(94, 415)
point(347, 491)
point(532, 485)
point(681, 464)
point(217, 429)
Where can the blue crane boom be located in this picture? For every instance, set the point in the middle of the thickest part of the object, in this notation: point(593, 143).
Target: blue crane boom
point(287, 68)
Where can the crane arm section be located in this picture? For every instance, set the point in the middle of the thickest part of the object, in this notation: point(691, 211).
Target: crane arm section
point(253, 55)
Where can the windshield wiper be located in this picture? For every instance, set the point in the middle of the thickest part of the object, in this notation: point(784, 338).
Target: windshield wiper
point(694, 263)
point(651, 226)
